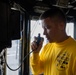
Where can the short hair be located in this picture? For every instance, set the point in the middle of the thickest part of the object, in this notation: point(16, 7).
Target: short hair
point(54, 12)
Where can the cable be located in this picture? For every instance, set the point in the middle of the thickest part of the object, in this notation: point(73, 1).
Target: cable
point(24, 57)
point(20, 64)
point(35, 26)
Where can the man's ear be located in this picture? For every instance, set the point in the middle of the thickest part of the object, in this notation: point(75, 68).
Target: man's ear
point(61, 26)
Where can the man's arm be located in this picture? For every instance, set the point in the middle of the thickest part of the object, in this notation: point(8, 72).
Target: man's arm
point(35, 62)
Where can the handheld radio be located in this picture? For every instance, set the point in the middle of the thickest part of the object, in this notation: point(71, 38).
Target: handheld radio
point(38, 39)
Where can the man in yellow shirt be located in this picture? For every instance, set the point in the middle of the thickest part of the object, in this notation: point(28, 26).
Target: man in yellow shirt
point(58, 57)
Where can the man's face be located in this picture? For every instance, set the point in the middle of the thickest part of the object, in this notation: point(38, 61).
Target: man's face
point(51, 29)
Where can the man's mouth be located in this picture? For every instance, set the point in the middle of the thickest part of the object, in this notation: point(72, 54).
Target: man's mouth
point(47, 37)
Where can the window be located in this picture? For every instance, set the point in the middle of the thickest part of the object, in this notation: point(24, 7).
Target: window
point(70, 29)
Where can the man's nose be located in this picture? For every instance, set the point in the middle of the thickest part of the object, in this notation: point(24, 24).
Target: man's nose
point(44, 33)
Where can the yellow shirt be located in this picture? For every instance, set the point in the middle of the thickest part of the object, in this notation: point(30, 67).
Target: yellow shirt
point(55, 59)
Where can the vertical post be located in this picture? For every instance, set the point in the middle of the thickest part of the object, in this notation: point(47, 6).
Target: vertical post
point(75, 28)
point(26, 42)
point(22, 22)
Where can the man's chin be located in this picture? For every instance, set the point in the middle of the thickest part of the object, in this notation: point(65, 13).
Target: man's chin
point(50, 41)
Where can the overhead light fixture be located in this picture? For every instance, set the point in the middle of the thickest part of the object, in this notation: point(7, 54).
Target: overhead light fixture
point(17, 7)
point(62, 3)
point(40, 9)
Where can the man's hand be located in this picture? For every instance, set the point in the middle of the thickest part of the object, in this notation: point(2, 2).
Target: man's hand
point(36, 48)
